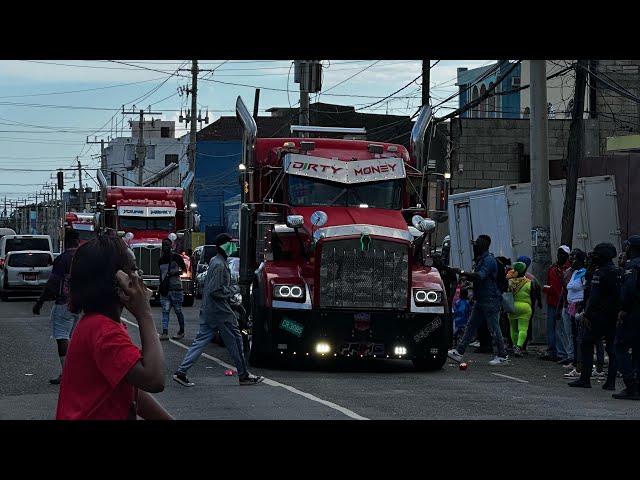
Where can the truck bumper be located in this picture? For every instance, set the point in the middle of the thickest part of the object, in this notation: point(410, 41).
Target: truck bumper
point(333, 333)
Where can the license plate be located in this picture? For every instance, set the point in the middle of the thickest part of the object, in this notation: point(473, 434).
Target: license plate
point(30, 277)
point(426, 331)
point(292, 327)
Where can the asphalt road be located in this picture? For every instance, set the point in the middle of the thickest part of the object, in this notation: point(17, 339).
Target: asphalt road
point(526, 388)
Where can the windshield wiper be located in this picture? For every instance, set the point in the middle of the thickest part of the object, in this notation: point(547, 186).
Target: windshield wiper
point(337, 197)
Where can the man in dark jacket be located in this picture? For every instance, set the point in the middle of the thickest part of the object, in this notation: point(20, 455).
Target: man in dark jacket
point(628, 327)
point(600, 314)
point(171, 295)
point(216, 314)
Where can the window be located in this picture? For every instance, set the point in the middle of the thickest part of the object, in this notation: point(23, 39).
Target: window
point(27, 243)
point(142, 223)
point(474, 96)
point(165, 132)
point(23, 260)
point(310, 192)
point(483, 104)
point(170, 158)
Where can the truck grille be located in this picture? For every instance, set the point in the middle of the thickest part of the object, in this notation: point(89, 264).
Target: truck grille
point(147, 259)
point(353, 278)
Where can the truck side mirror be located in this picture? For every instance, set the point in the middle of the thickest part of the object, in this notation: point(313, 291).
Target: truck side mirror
point(120, 233)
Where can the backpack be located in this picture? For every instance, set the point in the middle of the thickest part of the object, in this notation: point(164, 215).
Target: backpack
point(501, 277)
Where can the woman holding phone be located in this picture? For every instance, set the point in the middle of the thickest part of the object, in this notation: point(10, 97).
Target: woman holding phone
point(106, 376)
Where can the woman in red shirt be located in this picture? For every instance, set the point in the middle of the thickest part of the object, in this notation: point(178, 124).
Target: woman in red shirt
point(106, 376)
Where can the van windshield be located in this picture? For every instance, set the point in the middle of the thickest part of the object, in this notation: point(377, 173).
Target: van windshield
point(27, 243)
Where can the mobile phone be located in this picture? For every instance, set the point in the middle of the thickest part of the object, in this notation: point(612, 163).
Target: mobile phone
point(124, 279)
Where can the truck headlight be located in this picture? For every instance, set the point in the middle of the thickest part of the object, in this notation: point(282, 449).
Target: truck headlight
point(288, 292)
point(427, 297)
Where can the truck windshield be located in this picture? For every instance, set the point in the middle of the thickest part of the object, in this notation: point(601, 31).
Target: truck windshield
point(314, 192)
point(86, 234)
point(143, 223)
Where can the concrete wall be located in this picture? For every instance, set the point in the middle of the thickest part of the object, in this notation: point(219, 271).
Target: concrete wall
point(617, 115)
point(490, 151)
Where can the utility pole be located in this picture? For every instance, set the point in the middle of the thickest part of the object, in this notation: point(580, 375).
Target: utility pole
point(426, 79)
point(103, 156)
point(141, 148)
point(193, 135)
point(540, 218)
point(81, 191)
point(575, 151)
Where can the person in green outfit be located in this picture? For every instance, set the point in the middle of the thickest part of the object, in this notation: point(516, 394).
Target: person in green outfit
point(524, 298)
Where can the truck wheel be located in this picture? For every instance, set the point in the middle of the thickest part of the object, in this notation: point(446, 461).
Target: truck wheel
point(188, 301)
point(430, 364)
point(257, 357)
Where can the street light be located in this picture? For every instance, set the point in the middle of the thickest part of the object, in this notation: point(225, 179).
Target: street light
point(193, 205)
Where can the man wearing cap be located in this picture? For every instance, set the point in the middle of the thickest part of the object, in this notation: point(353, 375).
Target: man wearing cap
point(556, 340)
point(628, 327)
point(216, 314)
point(600, 315)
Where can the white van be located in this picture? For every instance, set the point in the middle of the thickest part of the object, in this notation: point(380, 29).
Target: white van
point(25, 273)
point(6, 231)
point(13, 243)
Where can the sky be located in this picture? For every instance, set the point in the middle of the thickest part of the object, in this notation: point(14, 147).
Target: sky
point(49, 108)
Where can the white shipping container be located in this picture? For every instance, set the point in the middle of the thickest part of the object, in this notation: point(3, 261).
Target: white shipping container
point(504, 213)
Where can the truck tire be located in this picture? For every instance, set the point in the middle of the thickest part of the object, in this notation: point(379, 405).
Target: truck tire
point(257, 357)
point(430, 364)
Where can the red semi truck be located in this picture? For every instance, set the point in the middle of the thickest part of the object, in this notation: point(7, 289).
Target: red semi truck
point(84, 224)
point(144, 216)
point(329, 262)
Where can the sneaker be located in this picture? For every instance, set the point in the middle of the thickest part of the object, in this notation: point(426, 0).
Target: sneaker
point(596, 374)
point(475, 344)
point(572, 374)
point(177, 336)
point(571, 366)
point(251, 379)
point(182, 379)
point(163, 336)
point(454, 355)
point(518, 352)
point(609, 386)
point(56, 381)
point(580, 383)
point(499, 360)
point(566, 361)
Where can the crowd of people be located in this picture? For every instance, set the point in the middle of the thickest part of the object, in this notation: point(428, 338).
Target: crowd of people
point(104, 374)
point(591, 303)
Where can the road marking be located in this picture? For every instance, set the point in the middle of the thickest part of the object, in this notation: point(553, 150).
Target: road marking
point(273, 383)
point(507, 376)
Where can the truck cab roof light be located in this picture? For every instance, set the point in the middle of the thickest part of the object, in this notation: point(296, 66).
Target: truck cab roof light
point(306, 146)
point(374, 148)
point(391, 148)
point(289, 145)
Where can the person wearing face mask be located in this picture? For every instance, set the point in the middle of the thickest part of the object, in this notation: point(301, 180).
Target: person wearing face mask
point(171, 295)
point(600, 315)
point(216, 314)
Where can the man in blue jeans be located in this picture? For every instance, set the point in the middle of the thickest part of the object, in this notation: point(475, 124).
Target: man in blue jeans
point(216, 314)
point(171, 295)
point(488, 301)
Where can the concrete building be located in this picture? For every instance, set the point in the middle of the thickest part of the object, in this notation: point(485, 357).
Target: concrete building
point(163, 148)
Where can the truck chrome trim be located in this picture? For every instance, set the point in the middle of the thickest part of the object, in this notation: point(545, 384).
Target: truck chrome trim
point(416, 142)
point(359, 229)
point(306, 305)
